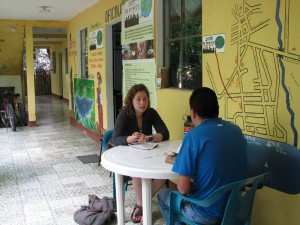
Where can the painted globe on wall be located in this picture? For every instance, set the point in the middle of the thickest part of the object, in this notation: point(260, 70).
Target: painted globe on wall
point(99, 38)
point(219, 42)
point(146, 6)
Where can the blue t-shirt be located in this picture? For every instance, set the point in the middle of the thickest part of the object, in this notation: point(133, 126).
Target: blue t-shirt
point(212, 154)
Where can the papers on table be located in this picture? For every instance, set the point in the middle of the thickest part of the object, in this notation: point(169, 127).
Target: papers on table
point(171, 157)
point(145, 146)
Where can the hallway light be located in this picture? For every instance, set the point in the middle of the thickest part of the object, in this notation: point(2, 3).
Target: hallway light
point(44, 9)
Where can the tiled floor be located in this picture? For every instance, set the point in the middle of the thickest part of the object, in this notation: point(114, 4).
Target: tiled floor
point(41, 180)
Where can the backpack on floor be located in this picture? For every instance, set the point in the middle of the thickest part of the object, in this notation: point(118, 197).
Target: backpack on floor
point(99, 211)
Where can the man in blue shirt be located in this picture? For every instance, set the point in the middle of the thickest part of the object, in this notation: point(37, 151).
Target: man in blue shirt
point(212, 155)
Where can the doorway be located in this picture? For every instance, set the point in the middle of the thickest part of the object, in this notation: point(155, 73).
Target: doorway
point(117, 69)
point(114, 72)
point(61, 95)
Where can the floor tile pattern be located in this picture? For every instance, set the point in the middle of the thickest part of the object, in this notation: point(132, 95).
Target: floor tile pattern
point(41, 180)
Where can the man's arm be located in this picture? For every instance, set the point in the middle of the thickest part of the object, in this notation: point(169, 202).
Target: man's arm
point(184, 185)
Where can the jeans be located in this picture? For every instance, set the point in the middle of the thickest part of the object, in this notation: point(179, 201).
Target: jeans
point(163, 201)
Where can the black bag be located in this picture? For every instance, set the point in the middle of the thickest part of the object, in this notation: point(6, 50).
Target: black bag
point(99, 211)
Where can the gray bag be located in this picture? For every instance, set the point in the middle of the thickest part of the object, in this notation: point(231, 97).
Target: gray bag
point(99, 211)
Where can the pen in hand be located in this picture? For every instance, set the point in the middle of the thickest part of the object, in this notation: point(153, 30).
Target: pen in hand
point(139, 137)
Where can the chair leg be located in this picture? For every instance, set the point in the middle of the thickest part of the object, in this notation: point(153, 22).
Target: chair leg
point(114, 191)
point(100, 152)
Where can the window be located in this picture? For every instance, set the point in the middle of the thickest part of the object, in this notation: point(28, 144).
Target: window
point(183, 42)
point(84, 53)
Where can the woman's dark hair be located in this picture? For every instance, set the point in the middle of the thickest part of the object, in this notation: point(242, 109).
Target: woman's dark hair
point(204, 102)
point(128, 105)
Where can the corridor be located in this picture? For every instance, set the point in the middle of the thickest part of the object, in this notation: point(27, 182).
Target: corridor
point(41, 180)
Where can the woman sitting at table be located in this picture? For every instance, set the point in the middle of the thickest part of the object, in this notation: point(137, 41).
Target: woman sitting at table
point(134, 124)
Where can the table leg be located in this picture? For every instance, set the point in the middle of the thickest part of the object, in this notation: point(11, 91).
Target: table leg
point(147, 201)
point(120, 198)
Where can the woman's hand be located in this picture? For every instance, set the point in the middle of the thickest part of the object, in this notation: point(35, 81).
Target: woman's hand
point(138, 137)
point(157, 137)
point(142, 138)
point(131, 139)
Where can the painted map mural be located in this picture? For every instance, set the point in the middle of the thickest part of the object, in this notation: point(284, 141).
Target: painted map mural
point(258, 78)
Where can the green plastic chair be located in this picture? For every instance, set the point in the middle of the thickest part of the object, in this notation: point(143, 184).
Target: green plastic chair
point(107, 136)
point(238, 208)
point(104, 143)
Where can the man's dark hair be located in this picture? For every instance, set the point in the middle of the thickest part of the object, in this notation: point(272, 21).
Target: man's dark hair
point(204, 102)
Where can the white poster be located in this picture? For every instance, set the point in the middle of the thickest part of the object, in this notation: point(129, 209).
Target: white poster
point(138, 46)
point(213, 43)
point(137, 21)
point(137, 72)
point(96, 39)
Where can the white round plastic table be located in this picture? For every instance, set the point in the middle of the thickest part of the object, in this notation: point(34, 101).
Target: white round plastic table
point(146, 164)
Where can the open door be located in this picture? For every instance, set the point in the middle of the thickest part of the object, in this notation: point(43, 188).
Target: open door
point(117, 68)
point(114, 72)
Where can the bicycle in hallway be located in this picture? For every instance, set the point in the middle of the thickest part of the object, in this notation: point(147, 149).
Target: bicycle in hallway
point(12, 110)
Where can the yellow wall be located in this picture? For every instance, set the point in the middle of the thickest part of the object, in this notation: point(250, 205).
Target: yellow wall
point(29, 62)
point(177, 101)
point(12, 81)
point(276, 208)
point(172, 104)
point(251, 71)
point(30, 73)
point(12, 51)
point(54, 74)
point(66, 78)
point(242, 65)
point(93, 18)
point(55, 87)
point(11, 47)
point(250, 66)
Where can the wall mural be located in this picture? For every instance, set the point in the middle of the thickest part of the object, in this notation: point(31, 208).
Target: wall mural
point(279, 158)
point(258, 80)
point(84, 99)
point(72, 54)
point(99, 125)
